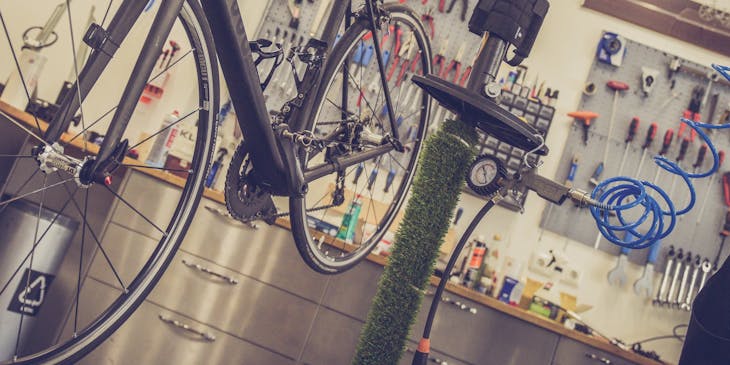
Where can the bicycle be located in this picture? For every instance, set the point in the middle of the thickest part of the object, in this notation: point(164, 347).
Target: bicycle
point(321, 150)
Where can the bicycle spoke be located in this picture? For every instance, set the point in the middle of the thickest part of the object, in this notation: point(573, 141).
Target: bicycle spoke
point(16, 156)
point(393, 159)
point(166, 128)
point(76, 72)
point(164, 234)
point(20, 190)
point(96, 239)
point(30, 266)
point(35, 245)
point(17, 65)
point(106, 13)
point(189, 171)
point(367, 103)
point(26, 130)
point(34, 192)
point(81, 263)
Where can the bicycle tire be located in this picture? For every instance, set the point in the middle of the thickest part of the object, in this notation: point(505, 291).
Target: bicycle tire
point(202, 50)
point(307, 245)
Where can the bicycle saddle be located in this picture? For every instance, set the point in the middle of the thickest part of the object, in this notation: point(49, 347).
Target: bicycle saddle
point(482, 113)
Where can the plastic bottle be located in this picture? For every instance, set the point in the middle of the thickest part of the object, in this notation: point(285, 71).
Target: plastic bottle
point(349, 221)
point(158, 153)
point(31, 64)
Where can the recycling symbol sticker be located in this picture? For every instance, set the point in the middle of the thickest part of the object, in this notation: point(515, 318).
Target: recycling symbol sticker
point(31, 293)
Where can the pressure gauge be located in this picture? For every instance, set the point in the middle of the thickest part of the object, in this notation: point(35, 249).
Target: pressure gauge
point(484, 174)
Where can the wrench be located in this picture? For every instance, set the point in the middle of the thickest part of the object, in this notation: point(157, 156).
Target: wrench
point(617, 276)
point(645, 285)
point(687, 304)
point(665, 278)
point(685, 277)
point(675, 278)
point(706, 267)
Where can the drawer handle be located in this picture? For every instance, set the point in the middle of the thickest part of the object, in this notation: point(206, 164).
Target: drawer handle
point(228, 218)
point(177, 324)
point(204, 269)
point(456, 303)
point(602, 360)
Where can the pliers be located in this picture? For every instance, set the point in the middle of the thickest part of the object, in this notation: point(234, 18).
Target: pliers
point(439, 60)
point(455, 65)
point(400, 50)
point(404, 54)
point(692, 112)
point(464, 6)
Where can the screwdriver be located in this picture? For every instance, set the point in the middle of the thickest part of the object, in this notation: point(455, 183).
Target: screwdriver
point(668, 136)
point(725, 228)
point(698, 163)
point(633, 127)
point(650, 134)
point(682, 152)
point(710, 182)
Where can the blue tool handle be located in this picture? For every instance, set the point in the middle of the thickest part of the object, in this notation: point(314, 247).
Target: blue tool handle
point(598, 172)
point(384, 112)
point(389, 180)
point(337, 38)
point(367, 56)
point(627, 238)
point(357, 56)
point(386, 57)
point(654, 252)
point(358, 172)
point(373, 176)
point(399, 121)
point(573, 170)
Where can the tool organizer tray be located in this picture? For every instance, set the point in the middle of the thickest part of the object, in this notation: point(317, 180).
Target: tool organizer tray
point(663, 106)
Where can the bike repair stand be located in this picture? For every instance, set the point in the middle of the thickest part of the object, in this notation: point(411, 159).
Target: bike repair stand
point(501, 23)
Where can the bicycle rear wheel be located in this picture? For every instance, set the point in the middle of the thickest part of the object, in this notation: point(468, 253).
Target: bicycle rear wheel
point(336, 226)
point(77, 258)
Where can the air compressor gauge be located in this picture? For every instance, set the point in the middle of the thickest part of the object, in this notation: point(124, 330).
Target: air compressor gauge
point(484, 175)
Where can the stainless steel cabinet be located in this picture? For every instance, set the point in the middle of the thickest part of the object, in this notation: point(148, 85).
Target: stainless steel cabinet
point(571, 352)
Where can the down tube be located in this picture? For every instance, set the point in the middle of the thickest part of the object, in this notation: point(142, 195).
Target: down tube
point(244, 87)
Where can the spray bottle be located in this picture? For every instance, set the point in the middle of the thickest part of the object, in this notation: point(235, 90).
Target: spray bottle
point(160, 149)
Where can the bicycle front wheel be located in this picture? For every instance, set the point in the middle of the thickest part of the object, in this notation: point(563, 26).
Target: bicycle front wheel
point(344, 215)
point(78, 257)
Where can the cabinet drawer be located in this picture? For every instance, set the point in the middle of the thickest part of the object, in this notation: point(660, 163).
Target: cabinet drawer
point(145, 339)
point(571, 352)
point(489, 336)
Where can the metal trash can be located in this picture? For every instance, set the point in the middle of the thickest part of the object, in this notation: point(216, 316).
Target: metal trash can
point(17, 227)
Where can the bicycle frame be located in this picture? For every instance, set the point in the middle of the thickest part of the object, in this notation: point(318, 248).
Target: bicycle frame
point(276, 159)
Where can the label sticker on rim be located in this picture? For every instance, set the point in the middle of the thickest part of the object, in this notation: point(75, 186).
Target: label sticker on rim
point(28, 301)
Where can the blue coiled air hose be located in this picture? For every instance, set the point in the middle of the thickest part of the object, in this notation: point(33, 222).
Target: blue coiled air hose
point(623, 195)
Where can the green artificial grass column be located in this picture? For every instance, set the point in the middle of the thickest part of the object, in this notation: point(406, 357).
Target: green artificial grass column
point(435, 192)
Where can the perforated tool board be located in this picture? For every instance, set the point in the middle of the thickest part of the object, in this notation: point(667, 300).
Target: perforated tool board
point(451, 34)
point(659, 107)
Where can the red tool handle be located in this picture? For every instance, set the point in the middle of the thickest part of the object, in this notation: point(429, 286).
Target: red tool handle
point(650, 135)
point(726, 188)
point(465, 76)
point(633, 127)
point(457, 73)
point(396, 61)
point(683, 149)
point(700, 156)
point(721, 155)
point(668, 136)
point(682, 125)
point(442, 5)
point(617, 85)
point(726, 226)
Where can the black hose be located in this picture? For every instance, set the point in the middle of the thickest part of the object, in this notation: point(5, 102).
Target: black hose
point(421, 355)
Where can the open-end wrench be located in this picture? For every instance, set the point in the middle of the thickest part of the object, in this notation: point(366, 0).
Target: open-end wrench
point(662, 292)
point(687, 304)
point(645, 285)
point(706, 267)
point(617, 276)
point(675, 278)
point(683, 285)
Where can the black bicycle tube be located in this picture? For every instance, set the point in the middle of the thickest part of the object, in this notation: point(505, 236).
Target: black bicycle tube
point(159, 31)
point(339, 12)
point(124, 18)
point(324, 169)
point(244, 86)
point(381, 68)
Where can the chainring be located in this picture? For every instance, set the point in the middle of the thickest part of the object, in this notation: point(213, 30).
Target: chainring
point(245, 200)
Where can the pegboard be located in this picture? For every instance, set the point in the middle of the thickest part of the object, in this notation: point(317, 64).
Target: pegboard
point(451, 38)
point(663, 106)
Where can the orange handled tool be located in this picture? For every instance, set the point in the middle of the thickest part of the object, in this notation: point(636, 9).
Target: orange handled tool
point(586, 118)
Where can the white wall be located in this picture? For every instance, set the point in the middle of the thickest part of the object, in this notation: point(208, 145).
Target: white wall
point(563, 55)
